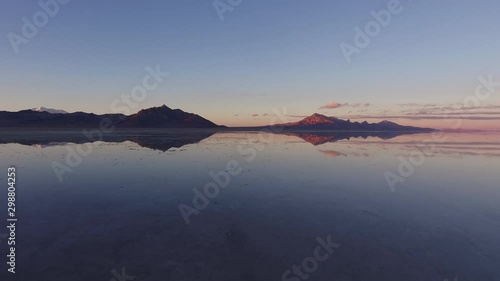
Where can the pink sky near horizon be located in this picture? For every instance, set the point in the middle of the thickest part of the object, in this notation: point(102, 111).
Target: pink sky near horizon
point(440, 116)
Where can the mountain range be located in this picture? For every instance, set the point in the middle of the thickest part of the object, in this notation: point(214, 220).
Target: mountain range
point(319, 122)
point(156, 117)
point(165, 117)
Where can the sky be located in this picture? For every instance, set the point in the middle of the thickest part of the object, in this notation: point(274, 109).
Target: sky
point(235, 62)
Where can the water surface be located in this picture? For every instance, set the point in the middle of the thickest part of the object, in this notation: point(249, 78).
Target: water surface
point(119, 207)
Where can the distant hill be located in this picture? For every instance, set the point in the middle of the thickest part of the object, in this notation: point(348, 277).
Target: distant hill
point(322, 122)
point(164, 117)
point(156, 117)
point(43, 119)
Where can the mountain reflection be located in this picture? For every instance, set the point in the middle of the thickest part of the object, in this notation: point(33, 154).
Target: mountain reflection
point(318, 138)
point(162, 141)
point(365, 144)
point(330, 144)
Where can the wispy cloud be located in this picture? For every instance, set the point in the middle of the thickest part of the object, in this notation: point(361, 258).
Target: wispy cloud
point(434, 108)
point(429, 111)
point(333, 105)
point(412, 104)
point(359, 104)
point(458, 113)
point(423, 117)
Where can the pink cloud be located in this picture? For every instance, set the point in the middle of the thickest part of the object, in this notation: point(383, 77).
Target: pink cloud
point(333, 105)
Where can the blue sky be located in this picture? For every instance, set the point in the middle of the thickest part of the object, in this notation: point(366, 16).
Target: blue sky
point(263, 55)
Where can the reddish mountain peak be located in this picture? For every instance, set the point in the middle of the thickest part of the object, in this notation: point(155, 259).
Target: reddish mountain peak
point(317, 118)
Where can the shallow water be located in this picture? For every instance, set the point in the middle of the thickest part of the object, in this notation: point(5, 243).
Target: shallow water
point(119, 208)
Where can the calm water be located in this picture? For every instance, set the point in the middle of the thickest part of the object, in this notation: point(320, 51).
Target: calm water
point(119, 207)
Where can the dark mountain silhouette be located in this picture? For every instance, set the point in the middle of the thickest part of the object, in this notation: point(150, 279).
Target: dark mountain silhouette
point(43, 119)
point(322, 122)
point(164, 117)
point(156, 117)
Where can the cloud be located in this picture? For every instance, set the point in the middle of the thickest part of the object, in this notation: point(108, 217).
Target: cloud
point(332, 153)
point(431, 108)
point(255, 115)
point(429, 111)
point(366, 104)
point(412, 104)
point(459, 113)
point(423, 117)
point(265, 114)
point(453, 111)
point(333, 105)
